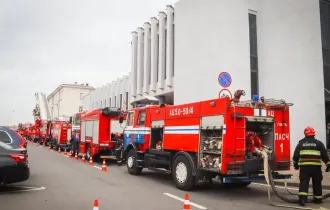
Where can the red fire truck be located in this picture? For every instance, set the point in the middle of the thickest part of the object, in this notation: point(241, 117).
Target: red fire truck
point(97, 132)
point(218, 138)
point(60, 135)
point(75, 131)
point(46, 127)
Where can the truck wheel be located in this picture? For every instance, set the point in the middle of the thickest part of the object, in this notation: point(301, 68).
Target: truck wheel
point(132, 166)
point(182, 173)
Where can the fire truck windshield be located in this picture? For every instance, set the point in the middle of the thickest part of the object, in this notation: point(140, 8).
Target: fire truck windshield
point(76, 120)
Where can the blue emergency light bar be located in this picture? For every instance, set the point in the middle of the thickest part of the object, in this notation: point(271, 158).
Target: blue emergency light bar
point(255, 98)
point(141, 105)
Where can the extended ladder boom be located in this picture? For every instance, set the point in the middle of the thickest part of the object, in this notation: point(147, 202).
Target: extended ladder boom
point(42, 106)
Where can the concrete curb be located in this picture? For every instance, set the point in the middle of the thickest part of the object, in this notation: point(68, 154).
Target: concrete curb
point(294, 184)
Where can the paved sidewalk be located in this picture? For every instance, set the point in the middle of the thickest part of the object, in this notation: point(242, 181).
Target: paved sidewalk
point(294, 181)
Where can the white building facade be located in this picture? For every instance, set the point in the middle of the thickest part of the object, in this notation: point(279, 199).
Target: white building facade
point(67, 100)
point(276, 49)
point(114, 94)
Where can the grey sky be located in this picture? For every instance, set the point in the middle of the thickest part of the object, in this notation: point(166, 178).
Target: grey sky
point(44, 43)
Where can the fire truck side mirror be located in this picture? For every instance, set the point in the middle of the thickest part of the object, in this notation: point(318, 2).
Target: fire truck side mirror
point(121, 119)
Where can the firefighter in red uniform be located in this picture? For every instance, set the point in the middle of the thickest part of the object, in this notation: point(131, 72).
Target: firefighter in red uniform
point(308, 156)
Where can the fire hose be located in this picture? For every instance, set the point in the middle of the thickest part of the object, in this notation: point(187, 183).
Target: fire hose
point(271, 185)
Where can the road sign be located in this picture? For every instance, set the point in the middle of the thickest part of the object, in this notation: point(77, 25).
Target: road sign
point(225, 93)
point(224, 79)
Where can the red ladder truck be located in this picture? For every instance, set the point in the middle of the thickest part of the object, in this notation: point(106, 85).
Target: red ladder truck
point(97, 132)
point(219, 138)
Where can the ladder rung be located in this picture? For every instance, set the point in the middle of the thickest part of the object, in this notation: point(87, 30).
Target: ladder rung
point(240, 138)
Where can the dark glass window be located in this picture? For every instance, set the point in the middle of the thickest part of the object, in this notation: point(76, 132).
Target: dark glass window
point(4, 137)
point(253, 54)
point(325, 33)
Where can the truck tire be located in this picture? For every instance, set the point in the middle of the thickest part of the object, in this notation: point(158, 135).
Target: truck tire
point(182, 173)
point(132, 166)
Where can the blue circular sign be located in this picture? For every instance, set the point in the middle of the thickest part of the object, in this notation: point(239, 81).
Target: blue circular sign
point(224, 79)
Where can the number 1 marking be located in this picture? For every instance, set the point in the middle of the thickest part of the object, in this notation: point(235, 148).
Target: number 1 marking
point(281, 145)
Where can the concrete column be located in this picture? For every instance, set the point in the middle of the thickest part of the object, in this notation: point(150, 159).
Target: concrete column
point(162, 50)
point(134, 63)
point(147, 53)
point(170, 45)
point(154, 53)
point(140, 56)
point(289, 47)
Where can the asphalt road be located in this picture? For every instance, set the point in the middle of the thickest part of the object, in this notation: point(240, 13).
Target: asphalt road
point(58, 182)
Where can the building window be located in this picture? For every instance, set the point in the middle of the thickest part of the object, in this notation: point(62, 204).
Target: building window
point(173, 41)
point(325, 32)
point(157, 54)
point(120, 100)
point(115, 101)
point(165, 74)
point(80, 109)
point(110, 102)
point(253, 54)
point(126, 100)
point(81, 96)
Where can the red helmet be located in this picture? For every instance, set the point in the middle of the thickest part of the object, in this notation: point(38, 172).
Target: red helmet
point(309, 131)
point(117, 135)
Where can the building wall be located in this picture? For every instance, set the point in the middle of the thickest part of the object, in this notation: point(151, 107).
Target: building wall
point(67, 101)
point(210, 38)
point(114, 94)
point(290, 61)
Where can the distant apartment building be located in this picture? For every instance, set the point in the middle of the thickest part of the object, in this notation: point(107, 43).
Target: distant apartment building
point(67, 99)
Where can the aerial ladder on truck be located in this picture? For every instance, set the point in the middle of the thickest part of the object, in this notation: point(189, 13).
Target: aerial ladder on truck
point(42, 118)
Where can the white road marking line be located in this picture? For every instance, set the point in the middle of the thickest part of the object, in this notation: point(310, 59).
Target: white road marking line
point(97, 167)
point(182, 200)
point(27, 189)
point(290, 188)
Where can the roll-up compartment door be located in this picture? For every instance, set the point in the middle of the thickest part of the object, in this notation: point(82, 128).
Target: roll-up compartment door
point(95, 132)
point(83, 131)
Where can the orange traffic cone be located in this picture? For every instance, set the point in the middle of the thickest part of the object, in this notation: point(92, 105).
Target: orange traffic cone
point(70, 154)
point(104, 167)
point(76, 156)
point(96, 205)
point(186, 205)
point(59, 150)
point(90, 161)
point(65, 152)
point(83, 158)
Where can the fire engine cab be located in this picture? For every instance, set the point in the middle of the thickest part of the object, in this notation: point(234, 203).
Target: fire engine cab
point(98, 129)
point(219, 138)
